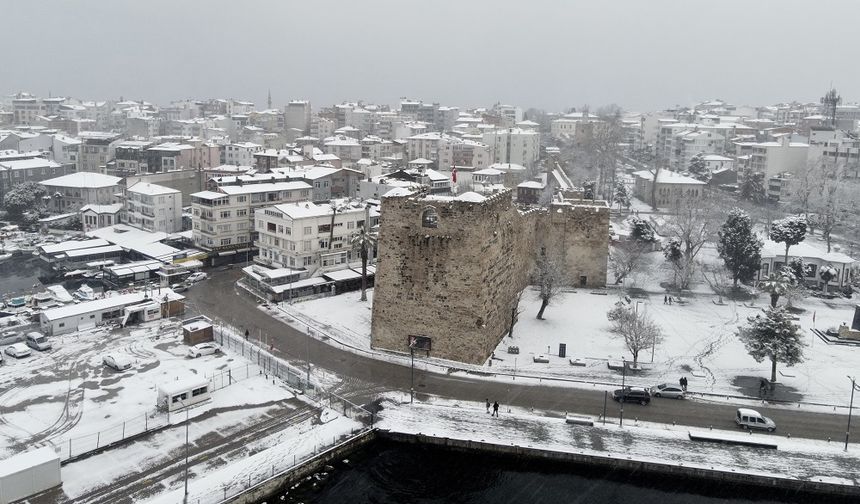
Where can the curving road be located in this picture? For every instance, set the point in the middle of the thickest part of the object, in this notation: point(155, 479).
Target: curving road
point(363, 378)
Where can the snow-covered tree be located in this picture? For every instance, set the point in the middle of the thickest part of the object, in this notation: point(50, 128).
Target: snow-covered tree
point(588, 189)
point(625, 258)
point(672, 252)
point(790, 230)
point(23, 197)
point(698, 167)
point(752, 187)
point(777, 284)
point(548, 277)
point(364, 241)
point(718, 278)
point(621, 196)
point(641, 230)
point(773, 336)
point(738, 246)
point(637, 330)
point(827, 273)
point(692, 223)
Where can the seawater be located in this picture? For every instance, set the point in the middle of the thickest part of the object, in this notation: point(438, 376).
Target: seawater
point(390, 472)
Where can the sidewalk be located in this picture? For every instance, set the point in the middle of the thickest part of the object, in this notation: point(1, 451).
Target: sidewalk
point(795, 459)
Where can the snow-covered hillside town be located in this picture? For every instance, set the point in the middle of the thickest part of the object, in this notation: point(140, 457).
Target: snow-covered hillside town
point(236, 269)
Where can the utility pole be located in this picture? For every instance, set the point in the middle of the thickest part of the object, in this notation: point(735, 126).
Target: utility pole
point(623, 391)
point(412, 386)
point(850, 409)
point(185, 497)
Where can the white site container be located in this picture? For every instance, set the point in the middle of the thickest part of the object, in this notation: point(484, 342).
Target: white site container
point(180, 393)
point(29, 473)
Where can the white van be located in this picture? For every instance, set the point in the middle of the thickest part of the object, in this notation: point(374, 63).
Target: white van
point(37, 341)
point(752, 419)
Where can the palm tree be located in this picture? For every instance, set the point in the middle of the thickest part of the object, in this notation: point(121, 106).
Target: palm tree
point(364, 241)
point(776, 284)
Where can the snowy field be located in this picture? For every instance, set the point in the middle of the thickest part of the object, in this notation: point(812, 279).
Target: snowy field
point(795, 458)
point(67, 393)
point(699, 340)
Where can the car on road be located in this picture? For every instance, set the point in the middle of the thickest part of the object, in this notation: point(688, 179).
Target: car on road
point(196, 277)
point(204, 349)
point(18, 350)
point(666, 390)
point(629, 394)
point(752, 419)
point(179, 287)
point(117, 362)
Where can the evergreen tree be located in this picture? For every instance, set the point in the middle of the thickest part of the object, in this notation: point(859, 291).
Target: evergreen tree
point(641, 231)
point(738, 246)
point(621, 196)
point(752, 188)
point(773, 336)
point(698, 167)
point(791, 230)
point(673, 252)
point(23, 197)
point(827, 274)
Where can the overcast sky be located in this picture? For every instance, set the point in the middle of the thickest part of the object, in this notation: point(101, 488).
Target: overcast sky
point(550, 54)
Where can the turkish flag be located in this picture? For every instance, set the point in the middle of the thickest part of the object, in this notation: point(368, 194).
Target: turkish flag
point(454, 174)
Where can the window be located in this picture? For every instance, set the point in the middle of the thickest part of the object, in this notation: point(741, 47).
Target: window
point(181, 397)
point(225, 214)
point(350, 225)
point(429, 219)
point(271, 227)
point(325, 228)
point(307, 230)
point(306, 246)
point(198, 391)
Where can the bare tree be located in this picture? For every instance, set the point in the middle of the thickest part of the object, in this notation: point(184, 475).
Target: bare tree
point(516, 310)
point(692, 224)
point(637, 329)
point(548, 277)
point(718, 278)
point(625, 258)
point(364, 241)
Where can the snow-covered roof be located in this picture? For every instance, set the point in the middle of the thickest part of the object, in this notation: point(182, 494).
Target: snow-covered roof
point(421, 161)
point(103, 209)
point(471, 197)
point(23, 164)
point(209, 195)
point(65, 246)
point(668, 177)
point(715, 157)
point(104, 304)
point(83, 180)
point(151, 189)
point(488, 171)
point(26, 460)
point(257, 188)
point(179, 386)
point(777, 250)
point(507, 167)
point(398, 191)
point(531, 184)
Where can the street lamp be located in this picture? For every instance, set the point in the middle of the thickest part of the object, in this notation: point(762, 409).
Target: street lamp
point(185, 497)
point(850, 408)
point(623, 391)
point(412, 377)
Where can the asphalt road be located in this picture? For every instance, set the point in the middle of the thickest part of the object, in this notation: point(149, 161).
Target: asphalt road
point(364, 378)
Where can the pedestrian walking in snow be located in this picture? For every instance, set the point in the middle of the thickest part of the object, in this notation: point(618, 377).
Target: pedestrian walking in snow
point(684, 383)
point(681, 382)
point(665, 299)
point(488, 405)
point(495, 408)
point(670, 299)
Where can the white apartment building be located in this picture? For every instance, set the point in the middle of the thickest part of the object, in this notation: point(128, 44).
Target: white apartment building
point(344, 147)
point(71, 192)
point(780, 156)
point(425, 145)
point(241, 154)
point(454, 151)
point(322, 127)
point(154, 208)
point(309, 236)
point(835, 149)
point(223, 220)
point(297, 115)
point(66, 149)
point(689, 143)
point(514, 145)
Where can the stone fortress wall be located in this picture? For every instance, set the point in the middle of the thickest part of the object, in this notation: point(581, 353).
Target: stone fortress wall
point(452, 270)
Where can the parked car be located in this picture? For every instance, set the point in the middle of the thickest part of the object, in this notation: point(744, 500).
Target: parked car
point(38, 341)
point(752, 419)
point(204, 349)
point(179, 287)
point(629, 394)
point(117, 362)
point(196, 277)
point(666, 390)
point(17, 350)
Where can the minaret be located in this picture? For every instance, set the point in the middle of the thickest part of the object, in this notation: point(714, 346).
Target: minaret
point(270, 100)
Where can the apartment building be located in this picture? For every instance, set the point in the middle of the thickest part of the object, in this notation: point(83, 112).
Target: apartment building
point(298, 116)
point(97, 148)
point(223, 219)
point(241, 154)
point(154, 208)
point(71, 192)
point(779, 156)
point(309, 236)
point(835, 150)
point(30, 168)
point(513, 145)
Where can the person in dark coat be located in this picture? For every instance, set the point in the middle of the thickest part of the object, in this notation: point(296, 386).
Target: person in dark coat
point(488, 405)
point(665, 299)
point(495, 408)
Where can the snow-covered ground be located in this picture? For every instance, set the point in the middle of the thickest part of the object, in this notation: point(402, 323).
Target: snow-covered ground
point(67, 393)
point(795, 458)
point(699, 339)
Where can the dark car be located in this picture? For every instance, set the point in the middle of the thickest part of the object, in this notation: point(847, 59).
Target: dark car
point(637, 395)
